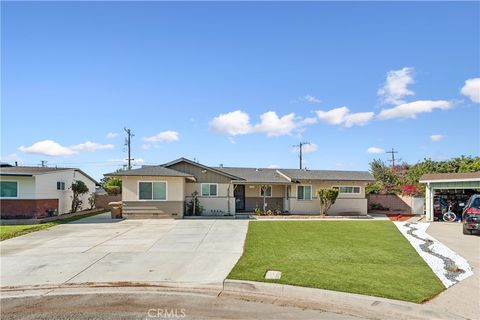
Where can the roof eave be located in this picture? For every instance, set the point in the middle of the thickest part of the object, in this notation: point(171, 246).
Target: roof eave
point(171, 163)
point(449, 180)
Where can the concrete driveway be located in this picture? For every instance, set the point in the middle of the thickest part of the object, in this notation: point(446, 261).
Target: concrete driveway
point(462, 298)
point(97, 249)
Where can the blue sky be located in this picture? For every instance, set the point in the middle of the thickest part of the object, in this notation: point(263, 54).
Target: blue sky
point(238, 83)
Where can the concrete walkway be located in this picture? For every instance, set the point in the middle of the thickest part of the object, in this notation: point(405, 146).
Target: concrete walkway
point(463, 298)
point(98, 249)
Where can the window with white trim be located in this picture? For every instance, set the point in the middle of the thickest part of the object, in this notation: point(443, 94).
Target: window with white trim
point(60, 185)
point(304, 192)
point(155, 190)
point(8, 189)
point(209, 189)
point(348, 189)
point(265, 191)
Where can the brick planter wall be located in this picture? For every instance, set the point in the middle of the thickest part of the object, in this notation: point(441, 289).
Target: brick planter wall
point(26, 208)
point(102, 201)
point(391, 201)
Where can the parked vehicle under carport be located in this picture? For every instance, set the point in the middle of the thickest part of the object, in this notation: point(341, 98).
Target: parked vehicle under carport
point(471, 215)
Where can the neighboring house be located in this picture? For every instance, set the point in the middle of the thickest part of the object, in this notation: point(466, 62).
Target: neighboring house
point(164, 190)
point(29, 192)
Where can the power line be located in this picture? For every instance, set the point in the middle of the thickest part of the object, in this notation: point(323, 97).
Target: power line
point(128, 144)
point(300, 146)
point(393, 157)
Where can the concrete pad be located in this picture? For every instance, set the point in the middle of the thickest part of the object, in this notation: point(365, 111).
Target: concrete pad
point(271, 274)
point(44, 269)
point(99, 250)
point(230, 247)
point(177, 247)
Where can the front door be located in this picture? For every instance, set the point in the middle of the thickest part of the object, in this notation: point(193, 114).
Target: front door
point(239, 194)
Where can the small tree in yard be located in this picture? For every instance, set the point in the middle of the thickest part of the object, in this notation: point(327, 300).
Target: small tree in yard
point(78, 187)
point(91, 200)
point(327, 198)
point(193, 206)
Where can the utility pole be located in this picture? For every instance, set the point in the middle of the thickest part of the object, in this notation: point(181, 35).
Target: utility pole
point(300, 146)
point(393, 157)
point(127, 143)
point(44, 163)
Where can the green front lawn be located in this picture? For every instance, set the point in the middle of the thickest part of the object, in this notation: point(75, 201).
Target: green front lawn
point(7, 232)
point(365, 257)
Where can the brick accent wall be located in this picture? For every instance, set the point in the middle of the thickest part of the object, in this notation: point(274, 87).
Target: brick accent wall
point(102, 201)
point(391, 201)
point(26, 208)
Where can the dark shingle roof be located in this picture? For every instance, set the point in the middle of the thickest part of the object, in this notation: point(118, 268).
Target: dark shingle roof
point(23, 170)
point(255, 175)
point(451, 176)
point(280, 175)
point(299, 174)
point(150, 171)
point(214, 169)
point(31, 171)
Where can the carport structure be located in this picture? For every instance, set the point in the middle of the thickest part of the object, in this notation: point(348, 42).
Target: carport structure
point(436, 182)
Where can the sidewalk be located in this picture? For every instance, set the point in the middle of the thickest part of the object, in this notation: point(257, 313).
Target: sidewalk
point(464, 297)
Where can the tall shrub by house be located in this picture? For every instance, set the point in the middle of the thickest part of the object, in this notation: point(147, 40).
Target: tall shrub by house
point(327, 198)
point(78, 187)
point(193, 206)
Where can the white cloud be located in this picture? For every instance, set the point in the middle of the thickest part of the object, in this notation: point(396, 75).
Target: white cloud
point(306, 98)
point(359, 119)
point(273, 166)
point(342, 116)
point(232, 123)
point(90, 146)
point(238, 123)
point(375, 150)
point(54, 149)
point(165, 136)
point(334, 116)
point(311, 99)
point(307, 148)
point(471, 89)
point(48, 148)
point(436, 137)
point(307, 121)
point(111, 135)
point(411, 109)
point(396, 86)
point(275, 126)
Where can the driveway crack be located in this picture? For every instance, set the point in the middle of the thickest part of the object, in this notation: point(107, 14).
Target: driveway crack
point(201, 241)
point(116, 236)
point(91, 264)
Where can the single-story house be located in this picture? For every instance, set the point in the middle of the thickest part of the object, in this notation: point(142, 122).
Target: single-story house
point(164, 190)
point(33, 192)
point(459, 186)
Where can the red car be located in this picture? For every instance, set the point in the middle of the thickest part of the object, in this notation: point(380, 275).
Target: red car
point(471, 215)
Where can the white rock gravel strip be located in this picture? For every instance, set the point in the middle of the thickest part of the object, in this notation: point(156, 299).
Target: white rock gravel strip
point(448, 266)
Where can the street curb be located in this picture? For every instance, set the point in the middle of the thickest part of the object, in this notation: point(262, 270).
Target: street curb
point(102, 287)
point(334, 301)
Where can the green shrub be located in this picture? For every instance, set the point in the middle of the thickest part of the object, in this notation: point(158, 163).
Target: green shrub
point(327, 198)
